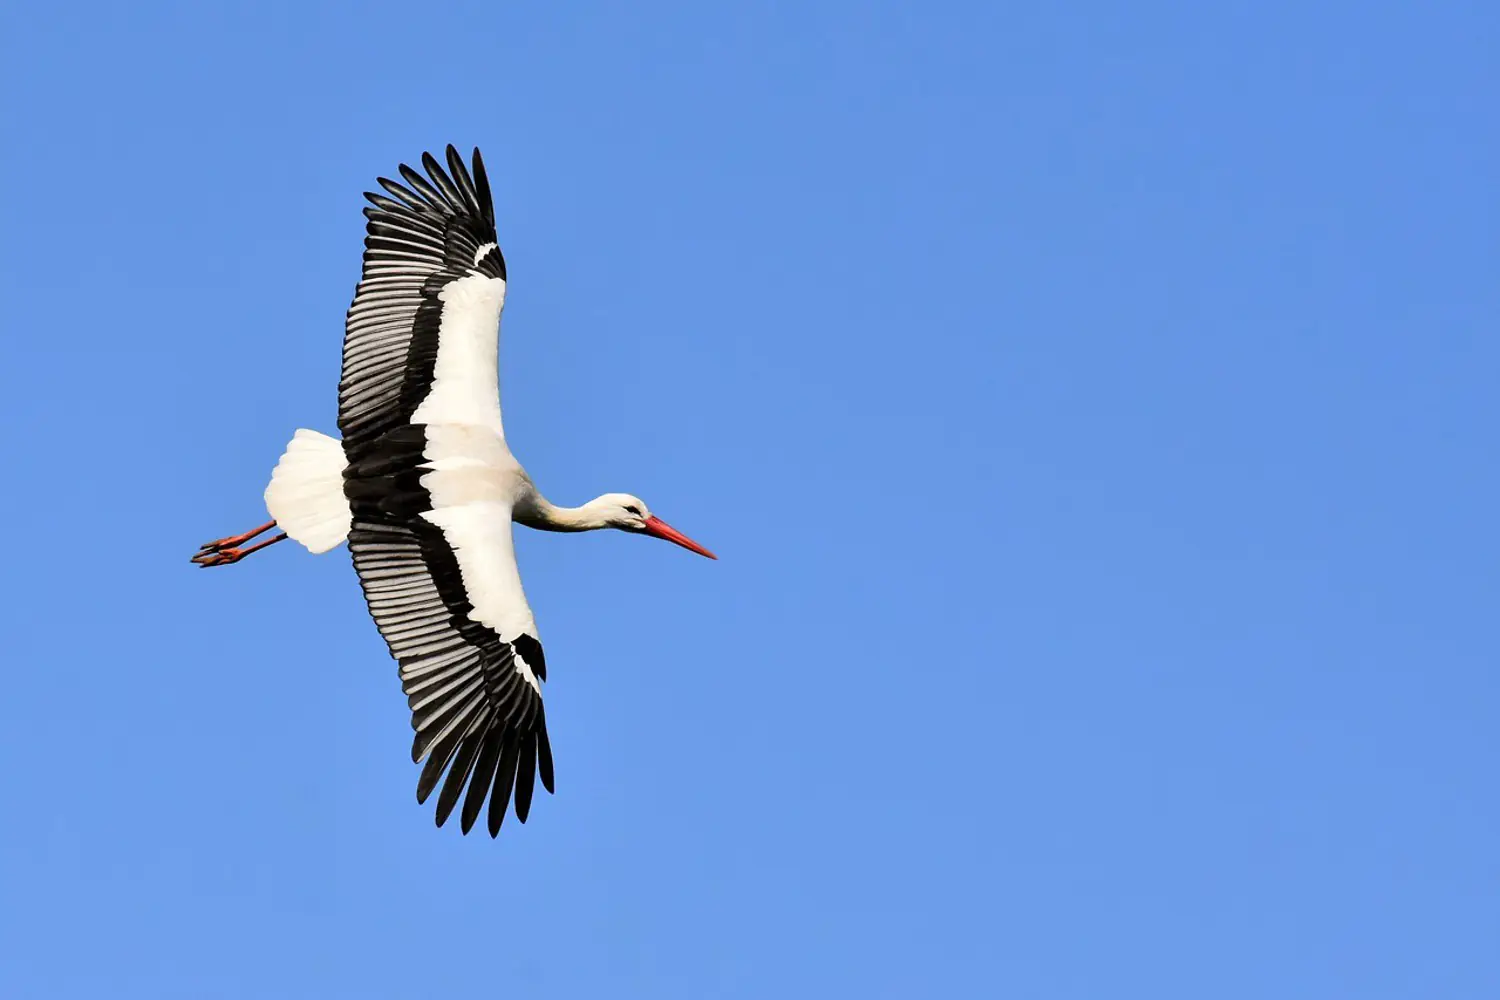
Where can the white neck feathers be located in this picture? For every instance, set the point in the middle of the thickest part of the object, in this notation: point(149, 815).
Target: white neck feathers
point(535, 511)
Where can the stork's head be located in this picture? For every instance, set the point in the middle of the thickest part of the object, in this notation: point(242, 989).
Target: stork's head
point(630, 513)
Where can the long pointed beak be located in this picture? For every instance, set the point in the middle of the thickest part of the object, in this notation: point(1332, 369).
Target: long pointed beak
point(661, 529)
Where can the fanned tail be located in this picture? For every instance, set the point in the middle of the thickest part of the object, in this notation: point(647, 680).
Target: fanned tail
point(306, 492)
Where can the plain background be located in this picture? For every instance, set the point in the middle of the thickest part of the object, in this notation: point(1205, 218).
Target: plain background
point(1093, 406)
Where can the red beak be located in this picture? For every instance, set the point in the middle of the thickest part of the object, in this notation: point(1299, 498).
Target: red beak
point(661, 529)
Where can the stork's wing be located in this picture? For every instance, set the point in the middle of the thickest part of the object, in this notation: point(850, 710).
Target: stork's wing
point(421, 337)
point(431, 539)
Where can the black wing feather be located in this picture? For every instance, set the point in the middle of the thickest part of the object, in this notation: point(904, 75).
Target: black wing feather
point(544, 751)
point(458, 775)
point(482, 183)
point(479, 784)
point(444, 185)
point(505, 778)
point(525, 775)
point(461, 178)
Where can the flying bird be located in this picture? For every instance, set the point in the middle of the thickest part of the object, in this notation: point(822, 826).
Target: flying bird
point(423, 487)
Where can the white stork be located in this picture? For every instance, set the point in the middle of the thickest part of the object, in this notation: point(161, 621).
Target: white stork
point(424, 488)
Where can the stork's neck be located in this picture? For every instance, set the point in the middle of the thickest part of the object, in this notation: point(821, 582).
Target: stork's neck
point(536, 511)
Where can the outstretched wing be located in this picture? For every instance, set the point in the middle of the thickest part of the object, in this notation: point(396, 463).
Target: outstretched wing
point(430, 485)
point(433, 551)
point(421, 337)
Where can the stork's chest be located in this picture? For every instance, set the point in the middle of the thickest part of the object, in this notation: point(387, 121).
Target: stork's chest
point(469, 464)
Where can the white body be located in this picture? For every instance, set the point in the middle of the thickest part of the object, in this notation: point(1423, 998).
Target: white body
point(475, 484)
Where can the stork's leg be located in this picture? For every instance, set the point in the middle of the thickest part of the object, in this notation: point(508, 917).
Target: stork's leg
point(226, 550)
point(233, 540)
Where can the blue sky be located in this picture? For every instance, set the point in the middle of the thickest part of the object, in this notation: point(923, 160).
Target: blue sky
point(1092, 406)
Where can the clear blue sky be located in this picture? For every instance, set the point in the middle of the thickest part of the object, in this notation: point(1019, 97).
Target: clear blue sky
point(1093, 405)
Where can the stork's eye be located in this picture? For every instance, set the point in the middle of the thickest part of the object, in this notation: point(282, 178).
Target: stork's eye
point(633, 510)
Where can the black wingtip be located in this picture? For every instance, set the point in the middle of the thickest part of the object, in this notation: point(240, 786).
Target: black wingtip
point(444, 184)
point(482, 183)
point(430, 195)
point(458, 775)
point(483, 778)
point(505, 776)
point(525, 777)
point(544, 752)
point(401, 193)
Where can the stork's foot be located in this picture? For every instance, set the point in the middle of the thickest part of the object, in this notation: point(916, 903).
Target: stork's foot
point(225, 551)
point(218, 557)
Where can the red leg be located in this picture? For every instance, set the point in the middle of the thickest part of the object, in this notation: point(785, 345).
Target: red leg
point(217, 554)
point(233, 540)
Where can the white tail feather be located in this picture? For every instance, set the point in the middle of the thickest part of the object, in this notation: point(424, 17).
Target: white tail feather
point(306, 492)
